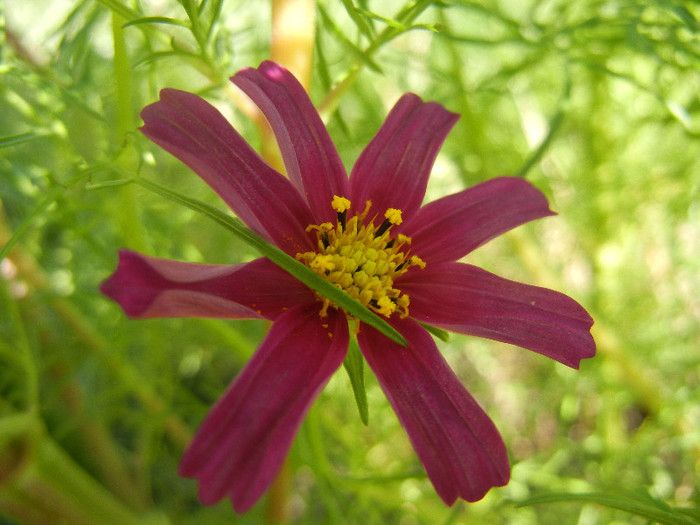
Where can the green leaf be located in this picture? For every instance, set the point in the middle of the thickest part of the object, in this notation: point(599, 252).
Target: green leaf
point(156, 20)
point(441, 334)
point(363, 24)
point(284, 261)
point(398, 26)
point(355, 367)
point(21, 138)
point(684, 14)
point(358, 53)
point(649, 508)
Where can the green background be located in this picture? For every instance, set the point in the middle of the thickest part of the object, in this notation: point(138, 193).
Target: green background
point(594, 102)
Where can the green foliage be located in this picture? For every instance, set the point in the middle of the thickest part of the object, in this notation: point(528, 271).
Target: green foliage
point(652, 509)
point(595, 102)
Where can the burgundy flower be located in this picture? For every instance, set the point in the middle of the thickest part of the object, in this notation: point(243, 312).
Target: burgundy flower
point(369, 235)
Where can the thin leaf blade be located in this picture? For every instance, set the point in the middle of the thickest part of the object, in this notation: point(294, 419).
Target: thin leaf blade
point(277, 256)
point(650, 509)
point(355, 367)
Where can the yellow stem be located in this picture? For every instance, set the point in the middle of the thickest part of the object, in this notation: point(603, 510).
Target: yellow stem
point(292, 39)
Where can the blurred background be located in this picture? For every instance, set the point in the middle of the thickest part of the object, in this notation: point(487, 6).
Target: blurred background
point(594, 102)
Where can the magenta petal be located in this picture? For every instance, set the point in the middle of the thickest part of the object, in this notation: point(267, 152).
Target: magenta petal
point(310, 158)
point(461, 449)
point(245, 438)
point(197, 134)
point(393, 170)
point(150, 287)
point(451, 227)
point(466, 299)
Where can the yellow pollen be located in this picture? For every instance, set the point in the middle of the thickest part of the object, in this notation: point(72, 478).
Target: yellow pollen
point(393, 216)
point(362, 259)
point(418, 262)
point(340, 204)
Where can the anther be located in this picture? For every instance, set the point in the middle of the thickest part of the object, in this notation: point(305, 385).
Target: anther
point(341, 205)
point(393, 216)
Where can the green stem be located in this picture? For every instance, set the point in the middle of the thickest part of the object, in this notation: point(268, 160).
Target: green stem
point(554, 126)
point(405, 17)
point(122, 79)
point(125, 124)
point(192, 10)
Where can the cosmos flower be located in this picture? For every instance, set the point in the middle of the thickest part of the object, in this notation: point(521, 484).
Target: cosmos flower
point(369, 235)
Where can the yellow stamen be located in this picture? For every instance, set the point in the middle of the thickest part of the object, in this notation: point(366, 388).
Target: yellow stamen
point(340, 204)
point(362, 259)
point(415, 260)
point(393, 216)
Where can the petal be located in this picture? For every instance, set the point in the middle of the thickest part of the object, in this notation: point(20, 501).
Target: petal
point(466, 299)
point(310, 158)
point(197, 134)
point(151, 287)
point(461, 449)
point(245, 438)
point(451, 227)
point(393, 170)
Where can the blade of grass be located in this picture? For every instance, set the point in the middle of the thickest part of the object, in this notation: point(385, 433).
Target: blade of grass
point(156, 20)
point(277, 256)
point(443, 335)
point(650, 510)
point(21, 138)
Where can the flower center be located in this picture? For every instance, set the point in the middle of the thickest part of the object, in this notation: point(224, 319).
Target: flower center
point(362, 259)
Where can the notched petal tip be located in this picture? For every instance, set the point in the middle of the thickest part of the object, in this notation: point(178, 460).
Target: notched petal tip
point(463, 298)
point(459, 446)
point(147, 287)
point(244, 439)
